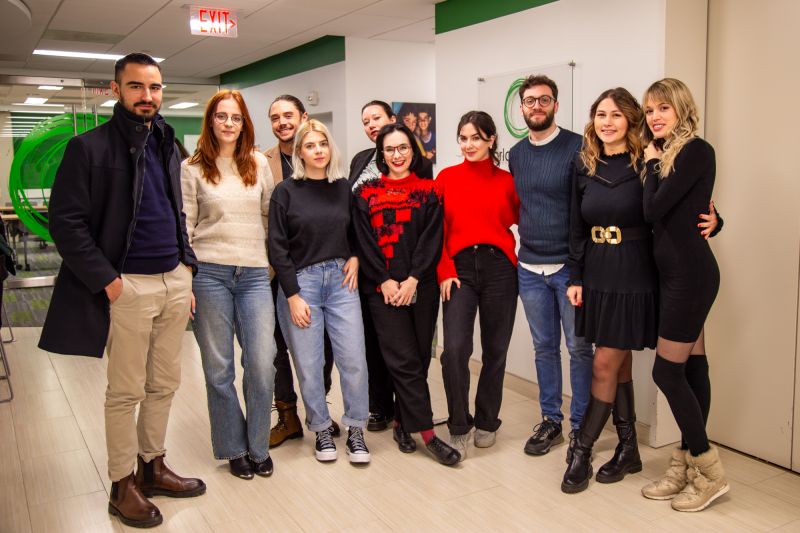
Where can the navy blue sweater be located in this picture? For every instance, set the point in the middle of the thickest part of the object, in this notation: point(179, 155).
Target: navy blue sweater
point(154, 247)
point(542, 176)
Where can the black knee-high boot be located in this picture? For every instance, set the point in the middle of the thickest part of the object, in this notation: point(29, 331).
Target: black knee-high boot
point(626, 458)
point(579, 470)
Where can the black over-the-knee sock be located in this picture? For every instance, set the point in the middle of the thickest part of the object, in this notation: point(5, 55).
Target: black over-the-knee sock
point(671, 379)
point(697, 376)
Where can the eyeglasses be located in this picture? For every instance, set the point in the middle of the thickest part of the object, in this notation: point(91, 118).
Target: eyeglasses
point(543, 100)
point(403, 149)
point(222, 118)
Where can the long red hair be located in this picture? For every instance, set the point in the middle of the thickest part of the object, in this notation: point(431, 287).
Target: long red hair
point(208, 146)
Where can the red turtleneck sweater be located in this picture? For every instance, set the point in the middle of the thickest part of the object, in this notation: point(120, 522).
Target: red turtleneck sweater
point(480, 206)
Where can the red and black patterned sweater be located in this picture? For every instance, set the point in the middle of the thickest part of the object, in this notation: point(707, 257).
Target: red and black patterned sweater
point(398, 226)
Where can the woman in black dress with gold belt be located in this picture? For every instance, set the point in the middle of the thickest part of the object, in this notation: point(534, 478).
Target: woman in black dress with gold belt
point(679, 180)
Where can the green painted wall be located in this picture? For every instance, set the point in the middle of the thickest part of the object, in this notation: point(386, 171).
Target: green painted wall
point(185, 126)
point(455, 14)
point(323, 51)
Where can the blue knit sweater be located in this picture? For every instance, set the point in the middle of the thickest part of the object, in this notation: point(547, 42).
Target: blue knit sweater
point(543, 177)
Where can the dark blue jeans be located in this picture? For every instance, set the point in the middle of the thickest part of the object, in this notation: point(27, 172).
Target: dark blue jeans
point(548, 310)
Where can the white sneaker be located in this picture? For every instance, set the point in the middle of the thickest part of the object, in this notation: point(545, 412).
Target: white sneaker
point(460, 444)
point(485, 439)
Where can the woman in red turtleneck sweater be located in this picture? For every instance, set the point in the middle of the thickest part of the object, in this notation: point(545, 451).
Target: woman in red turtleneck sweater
point(477, 270)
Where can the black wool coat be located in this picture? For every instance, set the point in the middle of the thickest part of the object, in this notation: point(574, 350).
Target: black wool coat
point(92, 212)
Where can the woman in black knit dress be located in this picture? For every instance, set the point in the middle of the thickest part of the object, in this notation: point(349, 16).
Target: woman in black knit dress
point(679, 180)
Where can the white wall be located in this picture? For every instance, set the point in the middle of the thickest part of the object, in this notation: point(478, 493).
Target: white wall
point(328, 81)
point(6, 157)
point(614, 43)
point(385, 70)
point(752, 330)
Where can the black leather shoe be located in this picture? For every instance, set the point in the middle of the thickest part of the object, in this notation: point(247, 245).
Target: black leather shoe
point(404, 440)
point(443, 452)
point(240, 467)
point(377, 422)
point(264, 468)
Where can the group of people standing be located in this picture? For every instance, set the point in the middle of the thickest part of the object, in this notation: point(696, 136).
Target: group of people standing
point(292, 256)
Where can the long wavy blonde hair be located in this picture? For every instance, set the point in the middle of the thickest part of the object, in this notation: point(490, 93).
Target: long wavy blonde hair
point(592, 149)
point(676, 94)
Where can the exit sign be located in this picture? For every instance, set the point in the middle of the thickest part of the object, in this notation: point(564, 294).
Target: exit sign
point(213, 22)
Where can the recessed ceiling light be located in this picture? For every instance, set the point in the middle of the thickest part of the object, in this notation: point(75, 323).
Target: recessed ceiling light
point(50, 87)
point(34, 100)
point(108, 103)
point(83, 55)
point(183, 105)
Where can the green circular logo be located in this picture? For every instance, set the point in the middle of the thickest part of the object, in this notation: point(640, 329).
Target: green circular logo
point(510, 110)
point(33, 169)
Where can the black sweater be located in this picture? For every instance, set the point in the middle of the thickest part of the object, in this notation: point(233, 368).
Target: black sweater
point(398, 226)
point(309, 222)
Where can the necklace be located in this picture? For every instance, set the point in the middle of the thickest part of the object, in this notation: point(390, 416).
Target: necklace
point(287, 159)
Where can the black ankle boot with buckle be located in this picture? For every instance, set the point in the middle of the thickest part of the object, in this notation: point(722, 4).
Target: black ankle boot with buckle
point(626, 458)
point(579, 470)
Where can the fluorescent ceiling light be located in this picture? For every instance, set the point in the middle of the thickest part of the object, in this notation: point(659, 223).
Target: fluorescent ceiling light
point(108, 103)
point(39, 105)
point(83, 55)
point(50, 87)
point(183, 105)
point(50, 114)
point(34, 100)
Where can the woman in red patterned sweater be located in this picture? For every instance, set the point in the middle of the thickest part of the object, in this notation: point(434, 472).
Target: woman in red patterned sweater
point(477, 271)
point(398, 224)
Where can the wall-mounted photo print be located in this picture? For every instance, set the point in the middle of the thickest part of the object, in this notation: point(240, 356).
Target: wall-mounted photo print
point(420, 119)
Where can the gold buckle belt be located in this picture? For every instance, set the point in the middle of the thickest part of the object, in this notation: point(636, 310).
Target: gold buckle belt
point(609, 235)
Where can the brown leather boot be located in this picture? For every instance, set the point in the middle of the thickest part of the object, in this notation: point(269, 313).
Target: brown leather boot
point(288, 425)
point(156, 479)
point(129, 504)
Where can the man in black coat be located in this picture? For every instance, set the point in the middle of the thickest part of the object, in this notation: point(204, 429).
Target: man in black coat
point(375, 115)
point(126, 281)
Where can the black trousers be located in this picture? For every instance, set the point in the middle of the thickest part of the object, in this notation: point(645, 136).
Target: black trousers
point(284, 380)
point(405, 335)
point(489, 284)
point(381, 388)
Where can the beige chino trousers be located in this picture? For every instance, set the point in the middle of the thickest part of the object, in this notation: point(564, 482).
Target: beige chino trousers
point(148, 321)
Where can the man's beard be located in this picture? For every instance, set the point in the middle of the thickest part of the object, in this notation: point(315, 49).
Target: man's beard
point(544, 124)
point(136, 111)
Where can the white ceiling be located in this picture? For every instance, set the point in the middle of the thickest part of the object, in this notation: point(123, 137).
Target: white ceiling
point(161, 28)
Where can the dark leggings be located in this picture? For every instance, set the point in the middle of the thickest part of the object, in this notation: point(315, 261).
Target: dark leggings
point(689, 412)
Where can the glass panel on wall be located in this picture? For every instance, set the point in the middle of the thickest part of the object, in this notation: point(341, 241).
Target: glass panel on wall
point(38, 117)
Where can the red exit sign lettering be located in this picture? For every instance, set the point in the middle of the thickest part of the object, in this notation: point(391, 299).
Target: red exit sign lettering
point(213, 22)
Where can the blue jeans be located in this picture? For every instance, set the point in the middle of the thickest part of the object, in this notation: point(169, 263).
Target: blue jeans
point(238, 300)
point(548, 310)
point(338, 310)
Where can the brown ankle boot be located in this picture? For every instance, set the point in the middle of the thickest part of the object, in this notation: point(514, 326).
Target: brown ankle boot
point(129, 504)
point(156, 479)
point(288, 425)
